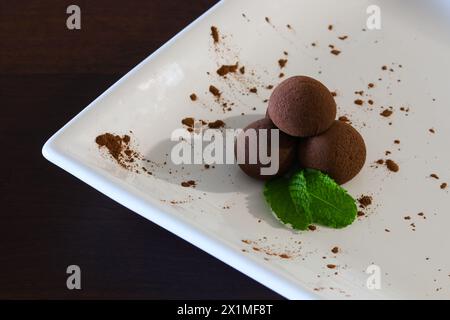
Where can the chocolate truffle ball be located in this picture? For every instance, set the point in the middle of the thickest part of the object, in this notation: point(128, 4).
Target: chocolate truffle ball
point(287, 150)
point(340, 152)
point(302, 107)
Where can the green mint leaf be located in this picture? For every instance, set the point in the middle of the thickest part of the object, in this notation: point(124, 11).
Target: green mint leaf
point(279, 199)
point(328, 203)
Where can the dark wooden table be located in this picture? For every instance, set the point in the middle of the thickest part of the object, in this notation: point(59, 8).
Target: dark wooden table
point(49, 219)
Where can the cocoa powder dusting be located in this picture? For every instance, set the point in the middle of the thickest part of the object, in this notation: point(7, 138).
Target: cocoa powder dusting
point(188, 122)
point(216, 124)
point(215, 34)
point(344, 119)
point(193, 97)
point(118, 148)
point(282, 63)
point(226, 69)
point(215, 92)
point(335, 52)
point(386, 113)
point(365, 201)
point(188, 184)
point(392, 166)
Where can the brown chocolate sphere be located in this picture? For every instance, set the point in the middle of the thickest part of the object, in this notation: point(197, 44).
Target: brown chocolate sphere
point(340, 152)
point(286, 151)
point(302, 107)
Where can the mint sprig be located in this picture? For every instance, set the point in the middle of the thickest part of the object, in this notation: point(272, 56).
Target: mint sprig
point(310, 196)
point(285, 209)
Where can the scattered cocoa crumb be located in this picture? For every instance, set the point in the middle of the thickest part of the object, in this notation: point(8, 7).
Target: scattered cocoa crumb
point(226, 69)
point(285, 53)
point(344, 119)
point(215, 34)
point(361, 92)
point(335, 250)
point(193, 97)
point(284, 256)
point(334, 93)
point(335, 52)
point(281, 75)
point(407, 218)
point(343, 37)
point(207, 166)
point(267, 19)
point(331, 266)
point(242, 70)
point(384, 68)
point(269, 87)
point(365, 201)
point(381, 161)
point(215, 92)
point(397, 141)
point(435, 176)
point(392, 166)
point(253, 90)
point(312, 228)
point(118, 147)
point(432, 130)
point(359, 102)
point(387, 230)
point(282, 63)
point(361, 214)
point(387, 152)
point(370, 102)
point(216, 124)
point(313, 44)
point(370, 85)
point(386, 113)
point(289, 26)
point(330, 27)
point(188, 122)
point(444, 186)
point(188, 184)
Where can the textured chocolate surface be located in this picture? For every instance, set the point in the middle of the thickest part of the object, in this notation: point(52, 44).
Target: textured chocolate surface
point(287, 151)
point(340, 152)
point(302, 107)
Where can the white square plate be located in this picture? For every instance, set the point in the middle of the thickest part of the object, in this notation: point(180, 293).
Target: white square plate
point(226, 215)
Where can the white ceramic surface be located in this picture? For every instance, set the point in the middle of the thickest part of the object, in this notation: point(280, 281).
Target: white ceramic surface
point(226, 207)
